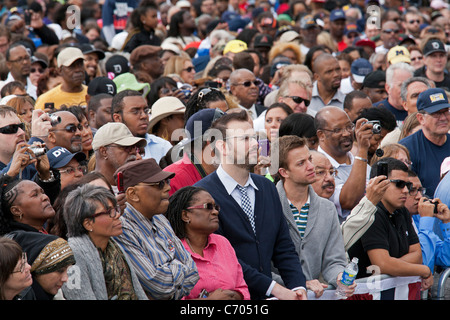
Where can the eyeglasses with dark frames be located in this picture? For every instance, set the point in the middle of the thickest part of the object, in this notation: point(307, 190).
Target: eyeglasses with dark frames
point(12, 128)
point(112, 212)
point(414, 191)
point(208, 206)
point(161, 184)
point(299, 100)
point(71, 128)
point(249, 83)
point(401, 183)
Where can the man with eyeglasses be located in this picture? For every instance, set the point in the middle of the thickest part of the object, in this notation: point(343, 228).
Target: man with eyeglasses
point(18, 62)
point(324, 185)
point(296, 94)
point(254, 222)
point(429, 146)
point(65, 134)
point(131, 108)
point(71, 166)
point(245, 87)
point(310, 217)
point(114, 145)
point(391, 245)
point(337, 133)
point(164, 267)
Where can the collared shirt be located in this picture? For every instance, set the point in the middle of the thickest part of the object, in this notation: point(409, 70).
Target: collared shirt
point(251, 111)
point(230, 185)
point(162, 264)
point(156, 147)
point(218, 268)
point(31, 88)
point(341, 177)
point(317, 103)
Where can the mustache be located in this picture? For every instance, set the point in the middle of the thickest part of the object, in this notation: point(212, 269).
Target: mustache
point(328, 185)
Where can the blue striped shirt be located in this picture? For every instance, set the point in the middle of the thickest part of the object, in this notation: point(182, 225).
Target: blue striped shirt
point(164, 267)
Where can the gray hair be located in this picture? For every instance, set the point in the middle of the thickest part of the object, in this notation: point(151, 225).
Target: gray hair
point(404, 88)
point(397, 66)
point(81, 204)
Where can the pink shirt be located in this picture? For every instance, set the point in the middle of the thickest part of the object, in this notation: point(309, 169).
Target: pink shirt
point(218, 268)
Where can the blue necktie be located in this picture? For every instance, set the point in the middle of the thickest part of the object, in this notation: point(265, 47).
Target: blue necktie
point(247, 206)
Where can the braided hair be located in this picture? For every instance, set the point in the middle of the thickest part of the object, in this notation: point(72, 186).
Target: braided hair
point(201, 100)
point(8, 195)
point(178, 202)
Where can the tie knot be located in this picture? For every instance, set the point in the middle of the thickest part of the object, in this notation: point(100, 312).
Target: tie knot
point(241, 188)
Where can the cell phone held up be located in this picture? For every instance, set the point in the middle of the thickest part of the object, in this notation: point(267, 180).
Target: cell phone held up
point(382, 168)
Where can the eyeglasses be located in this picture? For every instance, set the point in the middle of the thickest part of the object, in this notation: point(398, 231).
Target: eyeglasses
point(417, 58)
point(167, 90)
point(413, 21)
point(299, 100)
point(40, 70)
point(401, 183)
point(112, 212)
point(23, 263)
point(12, 128)
point(139, 111)
point(21, 59)
point(71, 170)
point(72, 128)
point(129, 149)
point(438, 114)
point(414, 191)
point(322, 173)
point(160, 184)
point(247, 84)
point(387, 31)
point(208, 206)
point(189, 69)
point(348, 128)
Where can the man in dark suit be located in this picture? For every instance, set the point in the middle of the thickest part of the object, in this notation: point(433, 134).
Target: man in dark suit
point(245, 87)
point(251, 215)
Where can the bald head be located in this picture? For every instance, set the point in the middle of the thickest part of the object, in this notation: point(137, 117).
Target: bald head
point(322, 60)
point(238, 74)
point(328, 114)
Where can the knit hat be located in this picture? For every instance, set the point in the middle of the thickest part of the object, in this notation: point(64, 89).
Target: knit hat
point(55, 255)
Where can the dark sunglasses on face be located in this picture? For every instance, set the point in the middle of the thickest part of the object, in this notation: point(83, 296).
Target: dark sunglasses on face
point(208, 206)
point(189, 69)
point(160, 184)
point(391, 31)
point(12, 128)
point(72, 128)
point(40, 70)
point(401, 183)
point(247, 84)
point(299, 100)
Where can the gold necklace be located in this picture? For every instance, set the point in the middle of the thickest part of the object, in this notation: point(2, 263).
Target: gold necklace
point(189, 244)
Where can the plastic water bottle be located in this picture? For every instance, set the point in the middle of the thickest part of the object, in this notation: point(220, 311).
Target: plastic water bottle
point(348, 277)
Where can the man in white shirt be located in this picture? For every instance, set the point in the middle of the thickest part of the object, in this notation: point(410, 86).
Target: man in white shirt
point(18, 61)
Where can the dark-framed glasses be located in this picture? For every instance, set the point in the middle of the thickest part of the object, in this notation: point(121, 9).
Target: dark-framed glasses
point(112, 212)
point(414, 191)
point(161, 184)
point(208, 206)
point(299, 100)
point(248, 83)
point(12, 128)
point(72, 128)
point(401, 183)
point(348, 128)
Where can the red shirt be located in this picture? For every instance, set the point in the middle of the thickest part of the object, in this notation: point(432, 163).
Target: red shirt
point(186, 174)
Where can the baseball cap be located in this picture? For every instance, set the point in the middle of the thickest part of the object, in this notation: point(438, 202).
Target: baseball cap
point(375, 80)
point(206, 117)
point(263, 40)
point(365, 42)
point(116, 65)
point(398, 54)
point(100, 85)
point(41, 60)
point(69, 55)
point(146, 170)
point(128, 81)
point(290, 36)
point(432, 100)
point(307, 22)
point(433, 45)
point(164, 107)
point(87, 48)
point(351, 28)
point(115, 132)
point(360, 68)
point(235, 46)
point(278, 65)
point(58, 157)
point(143, 51)
point(337, 14)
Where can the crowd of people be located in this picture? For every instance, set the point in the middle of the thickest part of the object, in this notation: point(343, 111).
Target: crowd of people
point(221, 149)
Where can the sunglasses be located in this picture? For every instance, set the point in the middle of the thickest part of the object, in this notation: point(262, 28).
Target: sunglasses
point(299, 100)
point(40, 70)
point(413, 21)
point(391, 31)
point(247, 84)
point(189, 69)
point(160, 184)
point(208, 206)
point(401, 183)
point(12, 128)
point(72, 128)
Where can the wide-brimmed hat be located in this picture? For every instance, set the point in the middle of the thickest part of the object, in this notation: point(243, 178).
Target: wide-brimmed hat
point(164, 107)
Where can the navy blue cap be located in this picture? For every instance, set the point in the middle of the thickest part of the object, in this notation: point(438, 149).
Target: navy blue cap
point(337, 14)
point(360, 68)
point(432, 100)
point(58, 157)
point(201, 121)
